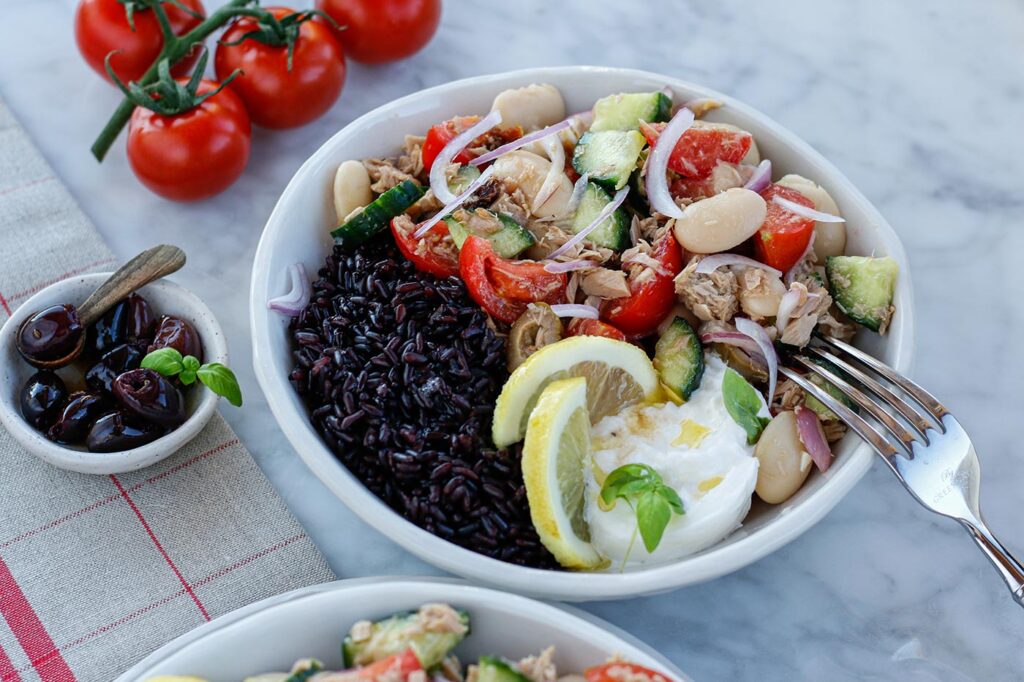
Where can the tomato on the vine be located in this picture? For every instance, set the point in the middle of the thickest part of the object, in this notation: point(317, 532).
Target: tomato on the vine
point(652, 293)
point(194, 154)
point(103, 27)
point(377, 31)
point(282, 86)
point(505, 288)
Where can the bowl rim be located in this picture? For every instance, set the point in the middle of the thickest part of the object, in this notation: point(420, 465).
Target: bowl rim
point(126, 460)
point(569, 615)
point(713, 562)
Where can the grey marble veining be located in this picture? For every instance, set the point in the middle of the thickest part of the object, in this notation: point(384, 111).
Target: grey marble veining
point(919, 103)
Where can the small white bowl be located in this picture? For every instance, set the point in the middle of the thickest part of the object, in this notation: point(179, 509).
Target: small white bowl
point(166, 298)
point(272, 634)
point(298, 232)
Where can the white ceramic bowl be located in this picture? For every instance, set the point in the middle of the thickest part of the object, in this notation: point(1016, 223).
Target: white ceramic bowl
point(166, 298)
point(272, 634)
point(298, 231)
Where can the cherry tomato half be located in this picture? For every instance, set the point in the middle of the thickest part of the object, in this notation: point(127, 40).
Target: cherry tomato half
point(784, 236)
point(433, 252)
point(276, 96)
point(699, 150)
point(620, 671)
point(101, 27)
point(377, 31)
point(504, 288)
point(585, 327)
point(195, 154)
point(441, 134)
point(653, 293)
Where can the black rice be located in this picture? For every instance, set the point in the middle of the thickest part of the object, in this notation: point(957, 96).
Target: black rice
point(400, 371)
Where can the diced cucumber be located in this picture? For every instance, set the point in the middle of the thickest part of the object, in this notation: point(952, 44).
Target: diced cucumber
point(402, 631)
point(679, 358)
point(863, 288)
point(494, 669)
point(508, 242)
point(304, 670)
point(464, 177)
point(815, 405)
point(377, 216)
point(613, 233)
point(626, 110)
point(610, 156)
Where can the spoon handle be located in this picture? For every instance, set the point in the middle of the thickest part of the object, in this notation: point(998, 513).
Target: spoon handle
point(150, 265)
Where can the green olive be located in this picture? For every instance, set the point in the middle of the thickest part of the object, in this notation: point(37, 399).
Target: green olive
point(536, 328)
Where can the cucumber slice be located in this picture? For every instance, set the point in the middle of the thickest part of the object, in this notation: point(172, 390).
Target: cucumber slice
point(679, 358)
point(302, 673)
point(626, 110)
point(610, 156)
point(863, 288)
point(377, 216)
point(510, 241)
point(815, 405)
point(613, 233)
point(399, 632)
point(464, 177)
point(494, 669)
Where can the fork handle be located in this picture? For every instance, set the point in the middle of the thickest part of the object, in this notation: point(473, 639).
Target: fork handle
point(1008, 566)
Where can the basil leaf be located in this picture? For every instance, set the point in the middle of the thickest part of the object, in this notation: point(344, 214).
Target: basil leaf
point(188, 373)
point(165, 361)
point(221, 381)
point(653, 512)
point(673, 499)
point(743, 403)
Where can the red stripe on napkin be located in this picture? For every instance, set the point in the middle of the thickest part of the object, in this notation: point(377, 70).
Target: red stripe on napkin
point(29, 631)
point(7, 671)
point(3, 304)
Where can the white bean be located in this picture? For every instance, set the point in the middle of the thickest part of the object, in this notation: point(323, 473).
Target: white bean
point(531, 107)
point(351, 189)
point(527, 171)
point(829, 238)
point(721, 222)
point(783, 465)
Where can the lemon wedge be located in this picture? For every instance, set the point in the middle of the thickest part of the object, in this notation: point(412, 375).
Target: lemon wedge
point(554, 458)
point(617, 373)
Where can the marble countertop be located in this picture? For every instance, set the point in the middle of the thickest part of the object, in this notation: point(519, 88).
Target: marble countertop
point(920, 104)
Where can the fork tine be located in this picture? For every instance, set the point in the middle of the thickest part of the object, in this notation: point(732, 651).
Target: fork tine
point(923, 397)
point(895, 429)
point(861, 427)
point(920, 424)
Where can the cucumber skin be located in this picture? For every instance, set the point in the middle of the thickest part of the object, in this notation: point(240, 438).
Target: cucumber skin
point(677, 340)
point(608, 110)
point(849, 293)
point(349, 649)
point(511, 241)
point(376, 216)
point(613, 235)
point(612, 178)
point(494, 669)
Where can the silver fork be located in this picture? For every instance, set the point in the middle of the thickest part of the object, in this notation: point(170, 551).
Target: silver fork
point(926, 447)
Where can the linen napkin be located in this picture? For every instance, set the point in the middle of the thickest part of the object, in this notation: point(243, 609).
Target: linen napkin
point(97, 571)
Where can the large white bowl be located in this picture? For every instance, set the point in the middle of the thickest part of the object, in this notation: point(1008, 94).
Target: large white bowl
point(272, 634)
point(297, 231)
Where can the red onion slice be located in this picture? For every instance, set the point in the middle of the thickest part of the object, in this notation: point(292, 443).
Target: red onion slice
point(610, 208)
point(709, 264)
point(541, 134)
point(761, 178)
point(657, 164)
point(795, 270)
point(455, 203)
point(807, 211)
point(556, 267)
point(297, 298)
point(808, 427)
point(741, 341)
point(577, 194)
point(556, 153)
point(575, 310)
point(439, 170)
point(760, 337)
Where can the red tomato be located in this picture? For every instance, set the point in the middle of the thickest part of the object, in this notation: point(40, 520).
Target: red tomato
point(653, 293)
point(395, 668)
point(700, 149)
point(784, 236)
point(441, 134)
point(584, 327)
point(275, 96)
point(504, 288)
point(195, 154)
point(377, 31)
point(101, 27)
point(620, 671)
point(432, 252)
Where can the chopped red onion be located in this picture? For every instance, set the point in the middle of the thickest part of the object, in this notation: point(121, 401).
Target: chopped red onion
point(535, 136)
point(795, 270)
point(808, 427)
point(610, 208)
point(657, 164)
point(761, 178)
point(577, 194)
point(298, 295)
point(556, 172)
point(455, 203)
point(741, 341)
point(439, 169)
point(555, 267)
point(711, 263)
point(807, 211)
point(760, 336)
point(575, 310)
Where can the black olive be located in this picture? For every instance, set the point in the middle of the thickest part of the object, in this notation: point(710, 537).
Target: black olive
point(42, 398)
point(114, 363)
point(151, 396)
point(112, 329)
point(119, 431)
point(50, 334)
point(141, 320)
point(173, 332)
point(77, 417)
